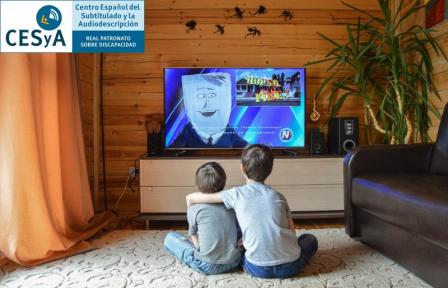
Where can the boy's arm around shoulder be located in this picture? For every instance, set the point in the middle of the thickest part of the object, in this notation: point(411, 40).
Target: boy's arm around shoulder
point(195, 240)
point(291, 224)
point(203, 198)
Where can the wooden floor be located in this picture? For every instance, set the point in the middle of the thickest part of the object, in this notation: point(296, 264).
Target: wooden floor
point(183, 225)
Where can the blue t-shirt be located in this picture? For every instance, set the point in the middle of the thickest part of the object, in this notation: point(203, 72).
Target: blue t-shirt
point(216, 230)
point(263, 214)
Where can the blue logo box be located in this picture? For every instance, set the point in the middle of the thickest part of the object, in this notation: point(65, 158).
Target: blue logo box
point(108, 41)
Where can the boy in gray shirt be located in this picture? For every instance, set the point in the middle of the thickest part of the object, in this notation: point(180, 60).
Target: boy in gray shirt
point(272, 247)
point(213, 249)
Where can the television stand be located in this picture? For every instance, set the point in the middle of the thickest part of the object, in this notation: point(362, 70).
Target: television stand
point(311, 184)
point(289, 152)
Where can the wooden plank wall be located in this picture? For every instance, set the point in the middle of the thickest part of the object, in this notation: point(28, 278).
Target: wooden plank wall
point(440, 64)
point(440, 74)
point(89, 70)
point(133, 84)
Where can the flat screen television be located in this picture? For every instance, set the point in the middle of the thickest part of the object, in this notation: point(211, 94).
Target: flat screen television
point(233, 107)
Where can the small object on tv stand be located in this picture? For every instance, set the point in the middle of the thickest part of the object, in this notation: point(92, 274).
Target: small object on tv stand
point(153, 124)
point(289, 152)
point(181, 153)
point(154, 141)
point(316, 141)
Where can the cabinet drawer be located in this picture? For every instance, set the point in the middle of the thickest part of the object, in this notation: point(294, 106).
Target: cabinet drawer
point(300, 198)
point(164, 199)
point(306, 171)
point(313, 197)
point(173, 172)
point(181, 173)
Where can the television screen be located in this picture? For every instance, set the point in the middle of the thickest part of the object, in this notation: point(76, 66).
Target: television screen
point(234, 107)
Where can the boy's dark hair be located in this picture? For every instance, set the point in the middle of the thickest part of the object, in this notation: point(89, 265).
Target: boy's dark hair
point(210, 177)
point(257, 162)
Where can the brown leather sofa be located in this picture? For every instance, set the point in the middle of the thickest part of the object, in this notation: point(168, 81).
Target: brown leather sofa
point(396, 200)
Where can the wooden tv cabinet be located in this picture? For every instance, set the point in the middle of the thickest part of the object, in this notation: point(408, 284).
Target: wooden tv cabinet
point(312, 184)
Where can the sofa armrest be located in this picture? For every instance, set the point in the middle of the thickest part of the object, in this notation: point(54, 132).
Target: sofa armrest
point(389, 159)
point(414, 158)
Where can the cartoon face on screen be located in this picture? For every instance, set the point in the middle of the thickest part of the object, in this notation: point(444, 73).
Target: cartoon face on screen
point(208, 101)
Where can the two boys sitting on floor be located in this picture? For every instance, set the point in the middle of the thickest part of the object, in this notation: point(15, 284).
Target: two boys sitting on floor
point(271, 247)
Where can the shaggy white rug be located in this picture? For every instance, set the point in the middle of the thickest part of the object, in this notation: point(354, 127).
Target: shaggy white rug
point(135, 258)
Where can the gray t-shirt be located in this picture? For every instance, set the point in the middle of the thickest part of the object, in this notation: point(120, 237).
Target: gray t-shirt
point(262, 214)
point(216, 230)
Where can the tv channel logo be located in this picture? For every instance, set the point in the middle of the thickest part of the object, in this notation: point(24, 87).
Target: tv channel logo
point(285, 135)
point(44, 26)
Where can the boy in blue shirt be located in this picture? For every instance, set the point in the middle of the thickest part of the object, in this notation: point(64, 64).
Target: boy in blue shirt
point(213, 229)
point(272, 247)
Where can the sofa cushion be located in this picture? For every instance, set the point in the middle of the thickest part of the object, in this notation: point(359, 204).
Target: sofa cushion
point(417, 203)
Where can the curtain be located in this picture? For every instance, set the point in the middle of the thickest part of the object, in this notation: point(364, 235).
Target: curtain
point(46, 210)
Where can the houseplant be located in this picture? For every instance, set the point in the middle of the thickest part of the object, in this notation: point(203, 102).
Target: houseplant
point(387, 62)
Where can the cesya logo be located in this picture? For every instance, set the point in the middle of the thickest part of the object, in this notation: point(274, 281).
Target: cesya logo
point(48, 18)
